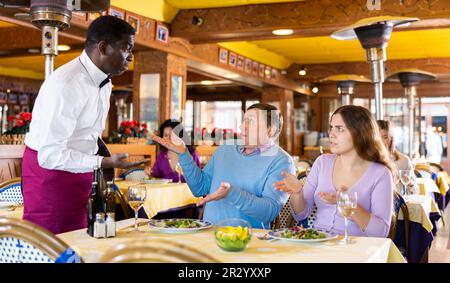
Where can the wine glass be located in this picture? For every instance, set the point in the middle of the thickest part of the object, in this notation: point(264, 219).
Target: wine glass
point(179, 171)
point(136, 196)
point(405, 178)
point(346, 202)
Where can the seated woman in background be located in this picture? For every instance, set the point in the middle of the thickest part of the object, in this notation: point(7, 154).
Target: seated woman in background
point(167, 161)
point(402, 162)
point(359, 163)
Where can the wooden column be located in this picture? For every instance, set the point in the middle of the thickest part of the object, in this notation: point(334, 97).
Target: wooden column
point(284, 100)
point(166, 65)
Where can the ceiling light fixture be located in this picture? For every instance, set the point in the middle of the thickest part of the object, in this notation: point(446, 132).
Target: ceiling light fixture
point(206, 82)
point(315, 89)
point(231, 76)
point(282, 32)
point(302, 71)
point(63, 47)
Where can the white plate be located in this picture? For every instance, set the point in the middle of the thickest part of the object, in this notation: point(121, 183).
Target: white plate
point(157, 181)
point(159, 225)
point(7, 204)
point(277, 234)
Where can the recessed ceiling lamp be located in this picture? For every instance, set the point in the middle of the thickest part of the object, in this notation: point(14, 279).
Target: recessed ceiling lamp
point(34, 51)
point(282, 32)
point(315, 89)
point(206, 82)
point(302, 71)
point(63, 47)
point(231, 76)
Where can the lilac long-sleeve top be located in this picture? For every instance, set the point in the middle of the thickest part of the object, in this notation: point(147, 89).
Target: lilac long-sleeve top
point(374, 193)
point(162, 169)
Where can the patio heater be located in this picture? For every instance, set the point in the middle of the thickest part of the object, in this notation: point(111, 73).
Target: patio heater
point(374, 34)
point(346, 85)
point(52, 16)
point(410, 79)
point(120, 96)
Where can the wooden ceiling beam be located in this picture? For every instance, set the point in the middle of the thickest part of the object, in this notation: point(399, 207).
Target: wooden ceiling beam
point(306, 18)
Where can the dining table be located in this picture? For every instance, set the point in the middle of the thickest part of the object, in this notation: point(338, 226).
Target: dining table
point(161, 197)
point(361, 250)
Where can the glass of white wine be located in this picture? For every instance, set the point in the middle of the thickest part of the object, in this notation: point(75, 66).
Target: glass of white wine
point(179, 171)
point(346, 202)
point(136, 197)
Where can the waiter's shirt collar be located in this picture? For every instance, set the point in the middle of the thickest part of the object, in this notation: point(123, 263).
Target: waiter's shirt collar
point(97, 75)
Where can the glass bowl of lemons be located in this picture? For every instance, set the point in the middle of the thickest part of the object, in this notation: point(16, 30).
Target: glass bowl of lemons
point(233, 234)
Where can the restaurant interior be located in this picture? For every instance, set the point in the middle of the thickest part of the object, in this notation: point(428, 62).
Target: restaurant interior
point(204, 63)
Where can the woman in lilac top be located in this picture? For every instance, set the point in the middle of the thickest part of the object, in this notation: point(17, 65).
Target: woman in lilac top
point(165, 164)
point(359, 163)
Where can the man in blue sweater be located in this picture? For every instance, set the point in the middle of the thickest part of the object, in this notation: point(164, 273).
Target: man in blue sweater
point(238, 179)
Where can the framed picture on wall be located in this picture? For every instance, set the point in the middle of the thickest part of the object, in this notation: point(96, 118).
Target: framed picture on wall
point(240, 63)
point(176, 97)
point(134, 22)
point(162, 33)
point(3, 97)
point(268, 72)
point(12, 98)
point(116, 13)
point(262, 69)
point(248, 65)
point(274, 73)
point(233, 59)
point(223, 55)
point(24, 99)
point(255, 70)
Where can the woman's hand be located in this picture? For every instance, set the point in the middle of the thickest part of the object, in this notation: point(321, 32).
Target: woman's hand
point(175, 144)
point(331, 198)
point(148, 171)
point(290, 184)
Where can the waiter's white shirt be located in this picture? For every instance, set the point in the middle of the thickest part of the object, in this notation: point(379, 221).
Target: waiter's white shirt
point(68, 117)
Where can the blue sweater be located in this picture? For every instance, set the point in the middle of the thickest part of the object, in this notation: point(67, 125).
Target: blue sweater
point(252, 196)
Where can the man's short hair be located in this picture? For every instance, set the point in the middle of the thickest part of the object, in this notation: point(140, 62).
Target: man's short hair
point(109, 29)
point(273, 116)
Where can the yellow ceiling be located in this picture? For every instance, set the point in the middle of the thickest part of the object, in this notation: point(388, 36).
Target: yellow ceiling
point(433, 43)
point(166, 10)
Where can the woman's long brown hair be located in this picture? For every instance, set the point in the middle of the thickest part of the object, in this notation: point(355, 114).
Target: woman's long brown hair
point(365, 135)
point(386, 126)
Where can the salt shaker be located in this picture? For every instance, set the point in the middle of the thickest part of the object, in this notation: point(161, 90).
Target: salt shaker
point(110, 225)
point(100, 226)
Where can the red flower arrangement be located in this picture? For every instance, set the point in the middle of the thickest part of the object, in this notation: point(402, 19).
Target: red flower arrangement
point(19, 124)
point(129, 129)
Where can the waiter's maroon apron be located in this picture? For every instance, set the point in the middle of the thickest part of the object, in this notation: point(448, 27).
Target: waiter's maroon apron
point(54, 199)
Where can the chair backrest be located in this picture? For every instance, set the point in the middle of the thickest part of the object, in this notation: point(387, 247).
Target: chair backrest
point(435, 168)
point(11, 191)
point(122, 201)
point(24, 242)
point(155, 251)
point(400, 204)
point(135, 174)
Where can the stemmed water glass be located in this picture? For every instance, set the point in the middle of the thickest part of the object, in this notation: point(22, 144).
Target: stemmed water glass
point(405, 177)
point(136, 197)
point(179, 171)
point(346, 202)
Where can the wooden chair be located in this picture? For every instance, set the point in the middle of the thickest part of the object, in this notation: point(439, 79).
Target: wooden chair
point(11, 191)
point(155, 251)
point(123, 203)
point(400, 204)
point(435, 168)
point(135, 174)
point(24, 242)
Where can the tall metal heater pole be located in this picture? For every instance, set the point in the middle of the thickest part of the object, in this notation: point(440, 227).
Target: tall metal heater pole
point(410, 79)
point(374, 34)
point(346, 85)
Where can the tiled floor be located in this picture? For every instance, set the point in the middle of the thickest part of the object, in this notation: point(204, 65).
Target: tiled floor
point(440, 249)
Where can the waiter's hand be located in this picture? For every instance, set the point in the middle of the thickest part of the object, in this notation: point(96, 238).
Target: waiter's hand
point(174, 144)
point(118, 161)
